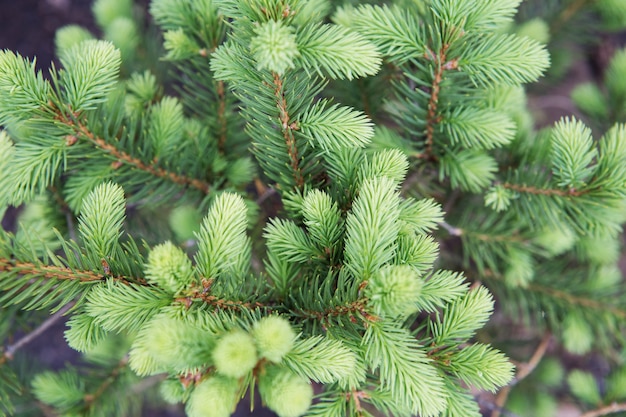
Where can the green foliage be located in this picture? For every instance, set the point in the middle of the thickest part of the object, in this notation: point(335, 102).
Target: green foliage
point(288, 239)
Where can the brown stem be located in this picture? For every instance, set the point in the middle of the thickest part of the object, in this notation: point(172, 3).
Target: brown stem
point(358, 307)
point(567, 13)
point(202, 293)
point(495, 238)
point(221, 116)
point(91, 398)
point(57, 272)
point(287, 127)
point(432, 118)
point(524, 370)
point(608, 409)
point(572, 192)
point(124, 158)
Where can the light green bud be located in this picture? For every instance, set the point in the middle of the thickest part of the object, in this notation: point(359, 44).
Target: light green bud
point(550, 372)
point(123, 33)
point(556, 240)
point(106, 11)
point(169, 344)
point(235, 354)
point(616, 385)
point(577, 335)
point(584, 386)
point(394, 291)
point(169, 267)
point(521, 268)
point(179, 46)
point(274, 337)
point(68, 36)
point(213, 397)
point(185, 221)
point(285, 393)
point(499, 198)
point(599, 250)
point(536, 29)
point(274, 48)
point(172, 391)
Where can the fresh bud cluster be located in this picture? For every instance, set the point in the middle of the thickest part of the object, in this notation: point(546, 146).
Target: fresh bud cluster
point(169, 268)
point(284, 392)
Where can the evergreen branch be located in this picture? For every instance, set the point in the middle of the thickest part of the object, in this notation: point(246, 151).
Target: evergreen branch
point(353, 309)
point(10, 350)
point(483, 237)
point(59, 273)
point(125, 158)
point(47, 271)
point(572, 192)
point(606, 410)
point(321, 359)
point(432, 118)
point(287, 128)
point(202, 294)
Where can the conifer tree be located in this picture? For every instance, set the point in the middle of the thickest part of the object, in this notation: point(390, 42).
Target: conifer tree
point(234, 225)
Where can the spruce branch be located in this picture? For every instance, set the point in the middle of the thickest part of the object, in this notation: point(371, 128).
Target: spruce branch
point(48, 271)
point(529, 189)
point(220, 304)
point(53, 272)
point(354, 310)
point(433, 118)
point(81, 130)
point(288, 127)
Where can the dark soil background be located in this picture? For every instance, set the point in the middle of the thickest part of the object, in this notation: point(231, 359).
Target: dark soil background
point(28, 27)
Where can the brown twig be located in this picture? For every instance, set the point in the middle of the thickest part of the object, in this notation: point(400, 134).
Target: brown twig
point(287, 127)
point(355, 308)
point(222, 121)
point(203, 294)
point(524, 369)
point(432, 118)
point(57, 272)
point(122, 157)
point(567, 13)
point(572, 192)
point(93, 397)
point(125, 158)
point(10, 350)
point(606, 410)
